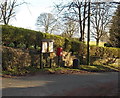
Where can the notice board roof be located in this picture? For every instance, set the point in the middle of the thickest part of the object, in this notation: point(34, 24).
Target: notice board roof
point(47, 40)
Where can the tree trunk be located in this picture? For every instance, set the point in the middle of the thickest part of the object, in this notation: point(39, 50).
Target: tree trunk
point(35, 46)
point(15, 44)
point(84, 20)
point(80, 24)
point(80, 39)
point(97, 42)
point(27, 46)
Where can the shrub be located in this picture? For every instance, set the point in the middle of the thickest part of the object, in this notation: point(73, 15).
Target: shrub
point(104, 52)
point(27, 37)
point(67, 45)
point(107, 45)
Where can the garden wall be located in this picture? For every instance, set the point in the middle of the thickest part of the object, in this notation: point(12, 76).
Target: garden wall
point(18, 59)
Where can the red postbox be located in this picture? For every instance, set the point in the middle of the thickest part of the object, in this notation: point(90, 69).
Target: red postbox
point(59, 51)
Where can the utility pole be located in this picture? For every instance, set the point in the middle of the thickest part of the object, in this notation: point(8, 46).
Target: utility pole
point(88, 36)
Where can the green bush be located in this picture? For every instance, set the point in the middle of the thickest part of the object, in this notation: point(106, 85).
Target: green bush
point(67, 45)
point(27, 37)
point(104, 52)
point(107, 45)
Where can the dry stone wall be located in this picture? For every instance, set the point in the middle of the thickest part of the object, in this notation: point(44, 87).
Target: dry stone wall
point(21, 58)
point(17, 58)
point(14, 58)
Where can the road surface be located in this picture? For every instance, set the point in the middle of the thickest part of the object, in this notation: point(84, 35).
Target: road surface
point(92, 84)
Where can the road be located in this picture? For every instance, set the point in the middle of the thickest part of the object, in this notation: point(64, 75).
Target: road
point(92, 84)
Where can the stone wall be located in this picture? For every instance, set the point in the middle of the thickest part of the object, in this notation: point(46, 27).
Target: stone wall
point(17, 58)
point(20, 58)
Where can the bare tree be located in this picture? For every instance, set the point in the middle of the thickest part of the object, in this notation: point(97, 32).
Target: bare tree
point(75, 10)
point(70, 28)
point(105, 37)
point(48, 22)
point(101, 17)
point(7, 10)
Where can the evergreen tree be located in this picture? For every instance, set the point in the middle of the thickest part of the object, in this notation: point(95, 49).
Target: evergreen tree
point(115, 29)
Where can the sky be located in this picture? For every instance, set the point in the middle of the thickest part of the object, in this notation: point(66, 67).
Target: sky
point(26, 14)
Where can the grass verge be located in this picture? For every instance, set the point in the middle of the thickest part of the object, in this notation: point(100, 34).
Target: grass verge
point(61, 70)
point(99, 68)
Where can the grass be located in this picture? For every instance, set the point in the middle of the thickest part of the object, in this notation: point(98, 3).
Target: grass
point(115, 67)
point(21, 72)
point(86, 68)
point(99, 68)
point(33, 70)
point(94, 43)
point(60, 69)
point(65, 71)
point(89, 68)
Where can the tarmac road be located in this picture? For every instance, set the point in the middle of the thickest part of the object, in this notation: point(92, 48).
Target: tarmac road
point(92, 84)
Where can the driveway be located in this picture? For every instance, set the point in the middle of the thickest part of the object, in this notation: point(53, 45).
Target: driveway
point(92, 84)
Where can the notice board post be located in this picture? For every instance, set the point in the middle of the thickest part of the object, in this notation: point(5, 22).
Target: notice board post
point(46, 49)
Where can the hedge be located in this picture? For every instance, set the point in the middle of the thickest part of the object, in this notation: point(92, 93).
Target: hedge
point(25, 38)
point(104, 52)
